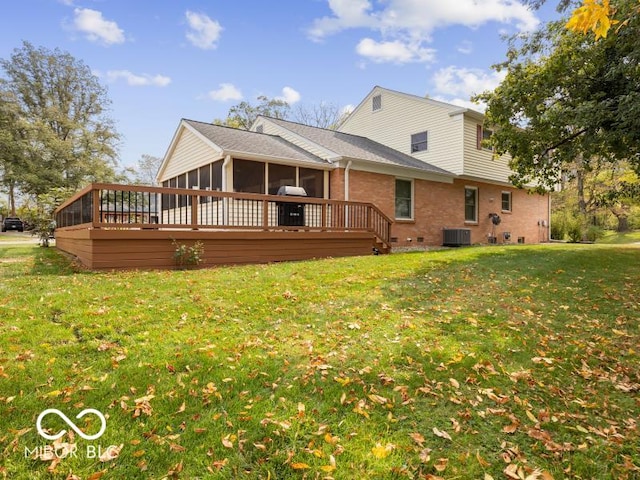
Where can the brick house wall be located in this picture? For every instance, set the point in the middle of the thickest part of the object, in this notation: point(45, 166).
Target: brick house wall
point(439, 205)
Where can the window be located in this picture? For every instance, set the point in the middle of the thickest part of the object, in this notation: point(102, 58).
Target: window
point(182, 183)
point(506, 201)
point(248, 176)
point(376, 103)
point(280, 175)
point(482, 137)
point(205, 177)
point(312, 181)
point(418, 142)
point(193, 178)
point(260, 129)
point(470, 204)
point(404, 197)
point(216, 175)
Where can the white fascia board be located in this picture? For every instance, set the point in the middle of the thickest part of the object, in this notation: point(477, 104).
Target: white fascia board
point(273, 159)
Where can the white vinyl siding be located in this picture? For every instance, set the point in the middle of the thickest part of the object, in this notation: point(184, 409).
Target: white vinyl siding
point(480, 163)
point(404, 115)
point(190, 152)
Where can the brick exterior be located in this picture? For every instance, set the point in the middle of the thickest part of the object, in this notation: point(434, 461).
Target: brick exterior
point(439, 205)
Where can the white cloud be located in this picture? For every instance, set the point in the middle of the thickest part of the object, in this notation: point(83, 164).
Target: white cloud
point(289, 95)
point(465, 47)
point(395, 51)
point(138, 80)
point(465, 82)
point(405, 25)
point(96, 28)
point(457, 85)
point(225, 93)
point(204, 32)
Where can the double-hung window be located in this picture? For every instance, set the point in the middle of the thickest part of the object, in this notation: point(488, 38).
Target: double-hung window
point(506, 201)
point(419, 142)
point(404, 199)
point(471, 204)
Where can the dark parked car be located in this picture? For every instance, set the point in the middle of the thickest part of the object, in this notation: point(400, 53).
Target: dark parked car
point(12, 223)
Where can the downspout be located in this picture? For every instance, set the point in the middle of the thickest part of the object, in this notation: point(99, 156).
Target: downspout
point(346, 193)
point(225, 200)
point(225, 166)
point(346, 181)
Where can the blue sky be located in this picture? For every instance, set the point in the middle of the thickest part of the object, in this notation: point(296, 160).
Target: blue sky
point(163, 60)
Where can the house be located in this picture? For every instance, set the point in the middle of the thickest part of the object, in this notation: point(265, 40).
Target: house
point(421, 162)
point(401, 170)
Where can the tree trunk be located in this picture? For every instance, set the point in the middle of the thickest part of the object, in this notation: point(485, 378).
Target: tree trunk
point(623, 223)
point(582, 203)
point(12, 200)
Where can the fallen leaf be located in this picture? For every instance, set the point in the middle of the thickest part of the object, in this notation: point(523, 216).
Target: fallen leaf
point(111, 453)
point(299, 466)
point(418, 438)
point(380, 451)
point(441, 464)
point(441, 433)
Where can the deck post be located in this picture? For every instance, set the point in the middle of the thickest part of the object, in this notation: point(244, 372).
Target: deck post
point(95, 211)
point(324, 225)
point(194, 212)
point(265, 214)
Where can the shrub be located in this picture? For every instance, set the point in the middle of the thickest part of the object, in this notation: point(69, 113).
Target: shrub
point(558, 226)
point(188, 256)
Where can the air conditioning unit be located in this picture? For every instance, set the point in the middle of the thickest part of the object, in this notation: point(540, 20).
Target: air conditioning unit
point(456, 237)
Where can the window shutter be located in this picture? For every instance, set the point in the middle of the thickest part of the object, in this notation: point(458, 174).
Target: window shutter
point(479, 137)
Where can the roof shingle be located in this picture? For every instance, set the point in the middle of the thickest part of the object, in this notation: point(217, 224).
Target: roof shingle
point(243, 141)
point(357, 147)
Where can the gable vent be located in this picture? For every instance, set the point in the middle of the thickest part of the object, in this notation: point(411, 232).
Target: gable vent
point(376, 102)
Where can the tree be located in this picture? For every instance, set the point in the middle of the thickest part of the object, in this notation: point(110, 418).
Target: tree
point(566, 98)
point(244, 114)
point(323, 114)
point(12, 146)
point(146, 170)
point(597, 17)
point(69, 137)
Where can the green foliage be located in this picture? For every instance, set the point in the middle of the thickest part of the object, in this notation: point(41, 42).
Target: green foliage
point(575, 228)
point(61, 109)
point(244, 114)
point(565, 97)
point(42, 216)
point(522, 358)
point(188, 255)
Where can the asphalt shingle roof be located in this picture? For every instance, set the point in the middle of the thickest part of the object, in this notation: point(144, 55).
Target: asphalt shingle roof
point(357, 147)
point(243, 141)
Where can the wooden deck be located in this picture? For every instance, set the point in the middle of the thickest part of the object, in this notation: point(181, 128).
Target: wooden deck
point(119, 227)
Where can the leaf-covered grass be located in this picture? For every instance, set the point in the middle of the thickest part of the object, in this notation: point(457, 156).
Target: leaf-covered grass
point(470, 363)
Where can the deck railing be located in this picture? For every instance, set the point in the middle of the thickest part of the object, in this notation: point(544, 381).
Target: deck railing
point(142, 207)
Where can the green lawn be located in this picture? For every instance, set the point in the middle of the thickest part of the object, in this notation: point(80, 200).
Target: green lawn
point(615, 238)
point(493, 362)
